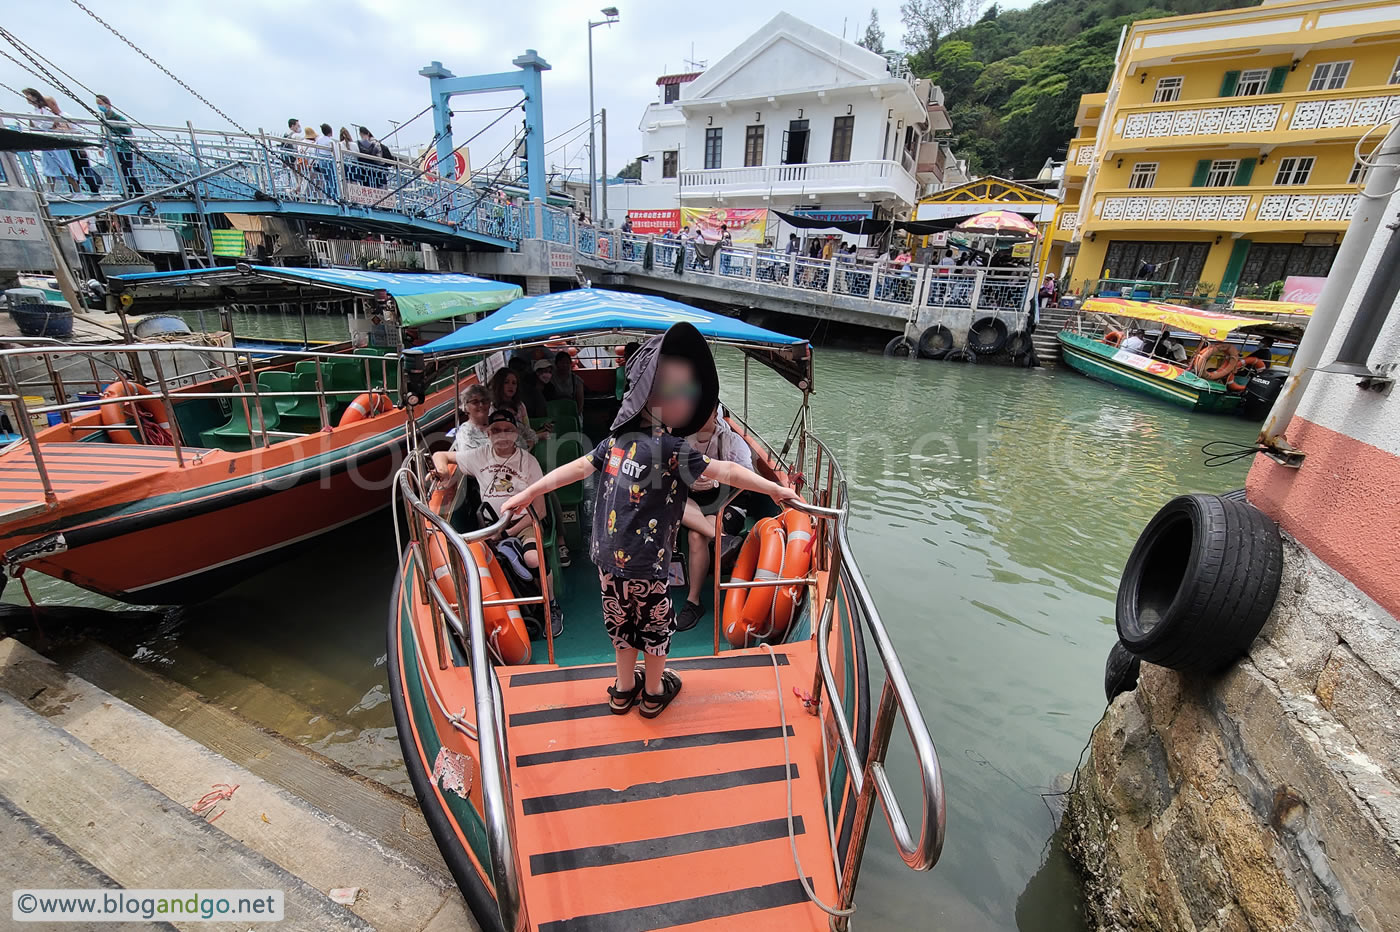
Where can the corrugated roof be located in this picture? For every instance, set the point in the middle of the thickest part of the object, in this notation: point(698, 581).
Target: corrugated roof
point(678, 78)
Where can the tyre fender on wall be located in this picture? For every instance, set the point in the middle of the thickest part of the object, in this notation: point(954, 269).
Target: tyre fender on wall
point(900, 348)
point(1200, 583)
point(935, 342)
point(987, 336)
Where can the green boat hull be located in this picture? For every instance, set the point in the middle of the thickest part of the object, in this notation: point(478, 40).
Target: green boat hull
point(1097, 360)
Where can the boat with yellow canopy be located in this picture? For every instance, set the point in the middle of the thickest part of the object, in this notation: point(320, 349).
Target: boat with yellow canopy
point(1216, 377)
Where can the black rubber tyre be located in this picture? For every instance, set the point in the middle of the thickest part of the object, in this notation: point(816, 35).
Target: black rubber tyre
point(1120, 671)
point(987, 336)
point(900, 348)
point(935, 342)
point(963, 354)
point(1199, 584)
point(1019, 343)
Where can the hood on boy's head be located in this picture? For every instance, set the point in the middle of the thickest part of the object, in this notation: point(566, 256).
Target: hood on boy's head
point(681, 340)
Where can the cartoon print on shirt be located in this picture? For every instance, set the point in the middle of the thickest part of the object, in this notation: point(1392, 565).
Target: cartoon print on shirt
point(612, 522)
point(636, 494)
point(651, 531)
point(501, 484)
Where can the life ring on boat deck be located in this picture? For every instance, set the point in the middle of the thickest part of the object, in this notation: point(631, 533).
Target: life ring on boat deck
point(365, 405)
point(1229, 360)
point(748, 612)
point(1113, 337)
point(1240, 379)
point(797, 558)
point(505, 628)
point(149, 414)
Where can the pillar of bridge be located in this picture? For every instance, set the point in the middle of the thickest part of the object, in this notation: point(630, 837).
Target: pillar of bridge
point(536, 284)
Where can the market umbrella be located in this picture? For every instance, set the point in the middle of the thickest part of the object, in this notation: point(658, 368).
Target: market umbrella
point(999, 223)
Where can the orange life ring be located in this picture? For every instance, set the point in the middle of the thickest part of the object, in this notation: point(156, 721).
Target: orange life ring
point(1242, 376)
point(505, 628)
point(797, 559)
point(148, 412)
point(1113, 337)
point(1229, 356)
point(365, 405)
point(748, 612)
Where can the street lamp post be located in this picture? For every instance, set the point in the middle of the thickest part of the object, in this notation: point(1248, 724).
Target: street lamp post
point(610, 16)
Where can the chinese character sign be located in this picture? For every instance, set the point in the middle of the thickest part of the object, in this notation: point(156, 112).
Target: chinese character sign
point(19, 224)
point(655, 222)
point(746, 224)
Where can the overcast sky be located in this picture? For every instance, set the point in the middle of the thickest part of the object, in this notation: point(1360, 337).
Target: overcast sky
point(348, 62)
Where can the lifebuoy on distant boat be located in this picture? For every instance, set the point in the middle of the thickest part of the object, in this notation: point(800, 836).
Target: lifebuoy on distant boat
point(1216, 362)
point(147, 413)
point(1113, 337)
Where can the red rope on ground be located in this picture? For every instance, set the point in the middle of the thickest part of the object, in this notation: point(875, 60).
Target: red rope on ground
point(207, 802)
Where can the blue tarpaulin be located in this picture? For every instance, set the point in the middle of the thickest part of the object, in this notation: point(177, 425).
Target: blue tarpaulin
point(420, 296)
point(589, 310)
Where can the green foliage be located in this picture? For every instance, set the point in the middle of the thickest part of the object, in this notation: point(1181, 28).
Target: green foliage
point(632, 169)
point(1013, 78)
point(874, 37)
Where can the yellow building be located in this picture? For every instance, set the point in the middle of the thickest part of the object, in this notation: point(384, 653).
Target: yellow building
point(1224, 151)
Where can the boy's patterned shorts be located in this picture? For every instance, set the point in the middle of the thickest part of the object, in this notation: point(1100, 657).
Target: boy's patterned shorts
point(637, 613)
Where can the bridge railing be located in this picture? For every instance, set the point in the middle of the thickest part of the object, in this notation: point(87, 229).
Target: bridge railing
point(896, 290)
point(265, 167)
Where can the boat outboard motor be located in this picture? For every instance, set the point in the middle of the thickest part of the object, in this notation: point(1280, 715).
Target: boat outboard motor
point(415, 377)
point(1261, 393)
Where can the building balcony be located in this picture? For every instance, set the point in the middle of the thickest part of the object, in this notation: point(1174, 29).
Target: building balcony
point(1249, 209)
point(1079, 156)
point(876, 179)
point(1263, 120)
point(1065, 223)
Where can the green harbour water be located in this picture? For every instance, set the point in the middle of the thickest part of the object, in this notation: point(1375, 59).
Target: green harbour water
point(992, 511)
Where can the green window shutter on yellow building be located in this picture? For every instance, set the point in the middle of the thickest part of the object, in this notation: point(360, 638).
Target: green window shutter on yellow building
point(1277, 76)
point(1198, 180)
point(1245, 172)
point(1232, 81)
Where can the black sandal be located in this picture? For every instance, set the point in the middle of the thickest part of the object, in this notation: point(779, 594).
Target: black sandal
point(653, 706)
point(622, 701)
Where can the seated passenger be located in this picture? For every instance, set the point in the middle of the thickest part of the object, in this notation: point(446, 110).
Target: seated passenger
point(505, 396)
point(475, 405)
point(1171, 349)
point(1264, 351)
point(620, 387)
point(564, 383)
point(502, 469)
point(1135, 341)
point(718, 441)
point(528, 387)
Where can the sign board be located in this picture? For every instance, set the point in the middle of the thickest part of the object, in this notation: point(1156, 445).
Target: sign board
point(746, 224)
point(1147, 364)
point(1040, 213)
point(1021, 250)
point(1302, 289)
point(561, 260)
point(21, 225)
point(461, 165)
point(655, 222)
point(833, 216)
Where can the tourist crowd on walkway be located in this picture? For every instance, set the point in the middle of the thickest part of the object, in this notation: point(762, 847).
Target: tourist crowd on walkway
point(311, 155)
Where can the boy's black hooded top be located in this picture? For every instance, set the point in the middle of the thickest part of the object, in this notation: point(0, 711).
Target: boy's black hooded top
point(644, 472)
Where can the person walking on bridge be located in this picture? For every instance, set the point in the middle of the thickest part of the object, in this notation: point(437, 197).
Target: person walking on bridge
point(119, 128)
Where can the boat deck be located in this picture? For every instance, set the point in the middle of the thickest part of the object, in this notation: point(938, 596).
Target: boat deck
point(593, 791)
point(75, 469)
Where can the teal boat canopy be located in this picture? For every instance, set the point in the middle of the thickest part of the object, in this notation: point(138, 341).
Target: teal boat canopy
point(421, 297)
point(598, 310)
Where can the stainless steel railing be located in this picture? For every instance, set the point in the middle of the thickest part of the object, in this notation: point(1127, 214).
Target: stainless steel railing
point(133, 361)
point(494, 757)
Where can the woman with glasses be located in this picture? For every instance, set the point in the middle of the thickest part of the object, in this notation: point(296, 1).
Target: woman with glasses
point(476, 405)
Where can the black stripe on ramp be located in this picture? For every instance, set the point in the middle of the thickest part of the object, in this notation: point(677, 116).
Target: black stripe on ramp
point(662, 743)
point(609, 671)
point(570, 713)
point(680, 912)
point(660, 790)
point(649, 849)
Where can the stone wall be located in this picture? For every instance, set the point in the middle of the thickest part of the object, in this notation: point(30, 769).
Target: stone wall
point(1264, 799)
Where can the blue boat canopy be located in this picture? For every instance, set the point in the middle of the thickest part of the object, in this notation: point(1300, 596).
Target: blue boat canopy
point(420, 296)
point(598, 310)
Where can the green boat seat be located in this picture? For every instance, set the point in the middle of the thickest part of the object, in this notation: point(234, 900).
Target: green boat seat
point(562, 409)
point(238, 434)
point(367, 351)
point(278, 381)
point(304, 407)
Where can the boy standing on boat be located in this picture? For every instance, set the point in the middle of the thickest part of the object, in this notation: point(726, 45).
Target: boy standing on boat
point(646, 471)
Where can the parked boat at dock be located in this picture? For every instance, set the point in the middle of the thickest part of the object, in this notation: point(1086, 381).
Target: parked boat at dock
point(184, 467)
point(751, 797)
point(1215, 379)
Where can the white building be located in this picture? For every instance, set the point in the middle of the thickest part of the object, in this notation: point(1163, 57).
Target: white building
point(794, 118)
